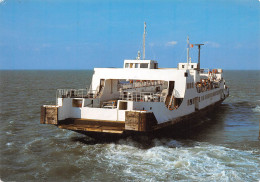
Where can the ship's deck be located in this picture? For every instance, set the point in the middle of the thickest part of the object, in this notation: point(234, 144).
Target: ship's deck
point(94, 125)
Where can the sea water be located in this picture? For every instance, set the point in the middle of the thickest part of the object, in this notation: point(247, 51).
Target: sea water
point(226, 149)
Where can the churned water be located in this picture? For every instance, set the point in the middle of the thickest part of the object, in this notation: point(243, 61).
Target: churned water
point(226, 149)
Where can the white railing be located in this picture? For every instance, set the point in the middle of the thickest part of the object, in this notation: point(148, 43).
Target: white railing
point(141, 97)
point(138, 84)
point(92, 94)
point(75, 93)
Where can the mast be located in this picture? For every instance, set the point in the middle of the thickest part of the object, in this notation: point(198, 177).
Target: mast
point(188, 49)
point(198, 67)
point(144, 40)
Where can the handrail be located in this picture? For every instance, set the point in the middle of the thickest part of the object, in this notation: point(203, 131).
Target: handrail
point(63, 93)
point(140, 96)
point(73, 93)
point(138, 84)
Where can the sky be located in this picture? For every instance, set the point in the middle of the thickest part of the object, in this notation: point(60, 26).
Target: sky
point(84, 34)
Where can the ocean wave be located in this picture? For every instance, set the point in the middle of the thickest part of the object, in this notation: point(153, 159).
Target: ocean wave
point(8, 133)
point(9, 143)
point(33, 143)
point(204, 162)
point(256, 109)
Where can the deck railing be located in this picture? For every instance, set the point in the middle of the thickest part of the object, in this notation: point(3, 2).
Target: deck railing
point(76, 93)
point(73, 93)
point(138, 84)
point(141, 96)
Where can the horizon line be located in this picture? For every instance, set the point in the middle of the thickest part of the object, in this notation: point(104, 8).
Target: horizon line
point(107, 67)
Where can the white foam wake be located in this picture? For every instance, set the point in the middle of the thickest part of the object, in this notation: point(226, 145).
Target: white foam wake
point(203, 162)
point(256, 109)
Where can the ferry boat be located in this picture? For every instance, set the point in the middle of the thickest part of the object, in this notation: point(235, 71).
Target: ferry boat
point(141, 97)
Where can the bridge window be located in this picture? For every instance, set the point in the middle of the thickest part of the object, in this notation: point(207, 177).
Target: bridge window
point(144, 65)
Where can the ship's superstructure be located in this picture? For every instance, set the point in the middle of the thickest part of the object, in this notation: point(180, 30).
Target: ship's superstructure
point(139, 97)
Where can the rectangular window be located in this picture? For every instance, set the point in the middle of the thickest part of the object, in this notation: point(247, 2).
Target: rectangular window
point(144, 65)
point(122, 105)
point(77, 103)
point(126, 65)
point(136, 65)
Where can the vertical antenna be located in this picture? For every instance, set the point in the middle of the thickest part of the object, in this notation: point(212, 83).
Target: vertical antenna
point(188, 49)
point(144, 41)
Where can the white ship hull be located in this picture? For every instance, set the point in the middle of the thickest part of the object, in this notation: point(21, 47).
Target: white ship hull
point(136, 99)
